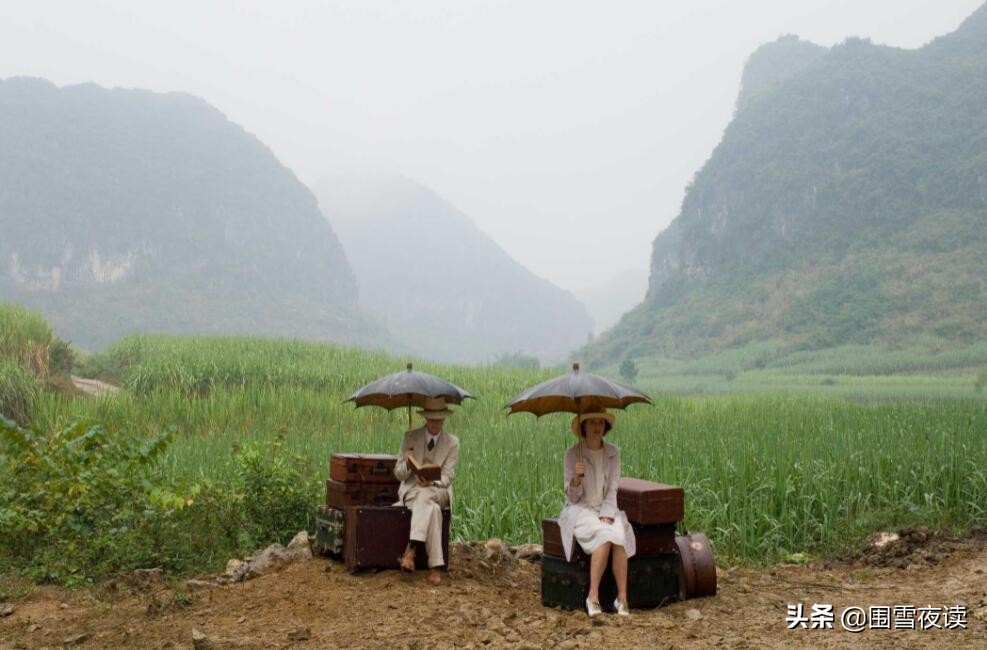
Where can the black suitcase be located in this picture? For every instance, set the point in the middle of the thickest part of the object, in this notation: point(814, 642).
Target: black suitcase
point(376, 537)
point(330, 526)
point(651, 582)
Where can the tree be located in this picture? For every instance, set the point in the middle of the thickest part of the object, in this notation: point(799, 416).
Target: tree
point(628, 370)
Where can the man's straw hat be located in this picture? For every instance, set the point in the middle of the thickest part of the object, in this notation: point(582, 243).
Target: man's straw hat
point(435, 409)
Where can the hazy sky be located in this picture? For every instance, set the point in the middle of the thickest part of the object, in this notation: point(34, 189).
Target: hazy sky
point(567, 130)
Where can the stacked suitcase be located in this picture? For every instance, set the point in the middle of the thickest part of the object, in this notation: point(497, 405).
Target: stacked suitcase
point(654, 573)
point(359, 522)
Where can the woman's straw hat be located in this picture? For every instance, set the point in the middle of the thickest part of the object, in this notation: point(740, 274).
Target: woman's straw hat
point(578, 420)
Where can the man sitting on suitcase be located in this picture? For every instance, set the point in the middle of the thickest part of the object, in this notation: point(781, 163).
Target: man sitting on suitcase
point(426, 445)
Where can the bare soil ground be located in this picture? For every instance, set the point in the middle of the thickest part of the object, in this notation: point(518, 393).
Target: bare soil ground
point(494, 603)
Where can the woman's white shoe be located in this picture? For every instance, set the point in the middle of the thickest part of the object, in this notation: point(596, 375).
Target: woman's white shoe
point(593, 609)
point(621, 608)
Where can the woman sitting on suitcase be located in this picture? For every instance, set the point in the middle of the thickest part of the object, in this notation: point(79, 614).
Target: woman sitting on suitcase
point(591, 472)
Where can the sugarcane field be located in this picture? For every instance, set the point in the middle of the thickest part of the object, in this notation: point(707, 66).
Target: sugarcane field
point(248, 533)
point(488, 324)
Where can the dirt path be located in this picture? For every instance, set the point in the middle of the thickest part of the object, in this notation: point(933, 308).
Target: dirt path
point(94, 387)
point(493, 604)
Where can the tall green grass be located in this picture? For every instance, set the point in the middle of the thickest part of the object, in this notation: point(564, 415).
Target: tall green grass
point(25, 337)
point(764, 476)
point(18, 390)
point(25, 341)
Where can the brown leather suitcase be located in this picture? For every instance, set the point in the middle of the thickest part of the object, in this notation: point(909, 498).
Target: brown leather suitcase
point(552, 542)
point(657, 539)
point(697, 568)
point(362, 468)
point(340, 494)
point(376, 536)
point(646, 502)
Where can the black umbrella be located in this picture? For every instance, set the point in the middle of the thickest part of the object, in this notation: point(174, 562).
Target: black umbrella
point(576, 392)
point(407, 388)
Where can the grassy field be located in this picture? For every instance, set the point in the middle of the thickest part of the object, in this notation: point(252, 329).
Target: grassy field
point(766, 476)
point(860, 373)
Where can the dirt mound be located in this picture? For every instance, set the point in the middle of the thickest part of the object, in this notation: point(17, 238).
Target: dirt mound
point(912, 547)
point(489, 599)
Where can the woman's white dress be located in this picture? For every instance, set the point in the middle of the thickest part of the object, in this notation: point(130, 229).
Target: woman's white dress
point(589, 531)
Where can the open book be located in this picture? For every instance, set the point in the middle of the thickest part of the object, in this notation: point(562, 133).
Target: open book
point(429, 472)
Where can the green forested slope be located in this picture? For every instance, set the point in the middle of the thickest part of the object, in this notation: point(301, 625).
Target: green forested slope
point(845, 204)
point(128, 211)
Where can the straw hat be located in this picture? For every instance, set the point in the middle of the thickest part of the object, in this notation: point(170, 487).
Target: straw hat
point(435, 409)
point(578, 420)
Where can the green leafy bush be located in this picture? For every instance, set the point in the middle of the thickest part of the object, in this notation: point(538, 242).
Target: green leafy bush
point(276, 498)
point(61, 356)
point(75, 504)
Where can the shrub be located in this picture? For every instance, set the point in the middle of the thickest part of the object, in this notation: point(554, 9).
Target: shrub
point(74, 503)
point(87, 501)
point(276, 498)
point(628, 370)
point(61, 357)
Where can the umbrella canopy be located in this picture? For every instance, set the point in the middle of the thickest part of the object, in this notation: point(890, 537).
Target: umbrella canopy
point(407, 388)
point(576, 392)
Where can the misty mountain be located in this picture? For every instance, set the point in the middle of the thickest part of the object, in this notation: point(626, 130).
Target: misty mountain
point(845, 203)
point(128, 211)
point(438, 283)
point(613, 298)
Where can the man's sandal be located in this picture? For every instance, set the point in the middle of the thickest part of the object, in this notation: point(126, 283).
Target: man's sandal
point(407, 561)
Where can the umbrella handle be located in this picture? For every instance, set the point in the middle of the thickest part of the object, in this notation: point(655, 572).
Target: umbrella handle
point(579, 452)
